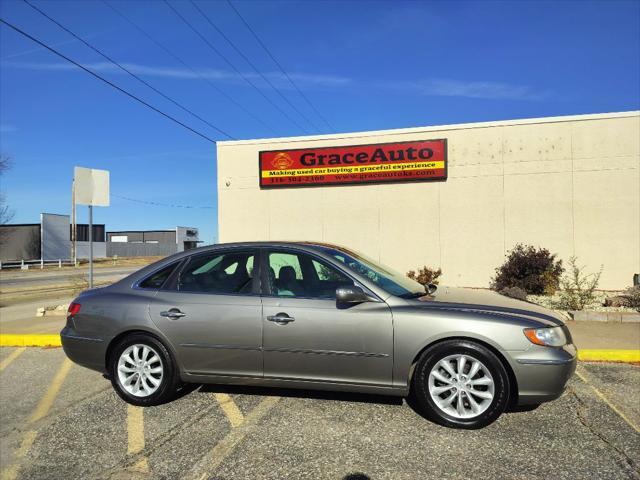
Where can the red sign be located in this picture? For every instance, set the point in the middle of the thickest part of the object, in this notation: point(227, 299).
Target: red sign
point(385, 162)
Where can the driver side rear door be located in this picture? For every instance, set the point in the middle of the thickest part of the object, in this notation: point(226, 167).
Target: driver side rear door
point(211, 313)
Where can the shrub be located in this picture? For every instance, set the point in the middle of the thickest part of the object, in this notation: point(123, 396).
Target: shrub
point(425, 275)
point(534, 270)
point(514, 292)
point(578, 288)
point(632, 294)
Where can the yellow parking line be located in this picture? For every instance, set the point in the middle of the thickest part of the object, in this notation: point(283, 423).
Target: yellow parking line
point(45, 404)
point(42, 409)
point(27, 440)
point(11, 472)
point(606, 400)
point(11, 357)
point(230, 409)
point(26, 443)
point(212, 460)
point(135, 430)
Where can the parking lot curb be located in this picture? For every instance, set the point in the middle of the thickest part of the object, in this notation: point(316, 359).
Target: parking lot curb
point(609, 355)
point(30, 340)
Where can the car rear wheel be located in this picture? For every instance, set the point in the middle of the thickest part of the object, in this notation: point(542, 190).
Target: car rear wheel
point(142, 371)
point(461, 384)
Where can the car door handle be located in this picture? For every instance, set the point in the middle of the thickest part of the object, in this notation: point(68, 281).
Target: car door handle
point(172, 313)
point(281, 318)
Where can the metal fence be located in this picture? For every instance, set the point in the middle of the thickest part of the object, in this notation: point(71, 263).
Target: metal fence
point(27, 264)
point(124, 249)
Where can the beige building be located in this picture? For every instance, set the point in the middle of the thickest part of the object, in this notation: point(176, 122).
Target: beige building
point(570, 184)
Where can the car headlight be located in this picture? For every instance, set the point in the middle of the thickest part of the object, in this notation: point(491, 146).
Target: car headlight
point(548, 337)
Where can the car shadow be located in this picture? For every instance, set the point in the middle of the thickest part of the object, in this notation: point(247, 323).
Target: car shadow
point(511, 408)
point(321, 395)
point(296, 393)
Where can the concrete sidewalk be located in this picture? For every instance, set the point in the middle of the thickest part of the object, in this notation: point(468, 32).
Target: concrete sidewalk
point(21, 317)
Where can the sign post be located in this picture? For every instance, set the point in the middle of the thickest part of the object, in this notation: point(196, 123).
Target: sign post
point(90, 246)
point(91, 188)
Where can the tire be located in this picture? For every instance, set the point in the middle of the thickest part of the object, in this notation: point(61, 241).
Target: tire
point(484, 394)
point(143, 384)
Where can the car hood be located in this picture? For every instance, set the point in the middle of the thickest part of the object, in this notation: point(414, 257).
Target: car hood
point(489, 301)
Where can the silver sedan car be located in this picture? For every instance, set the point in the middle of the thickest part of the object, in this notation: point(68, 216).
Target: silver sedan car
point(318, 316)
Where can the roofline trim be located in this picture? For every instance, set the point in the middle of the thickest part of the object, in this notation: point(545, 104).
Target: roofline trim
point(435, 128)
point(11, 225)
point(142, 231)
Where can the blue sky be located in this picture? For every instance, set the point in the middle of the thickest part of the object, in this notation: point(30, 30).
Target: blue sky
point(364, 65)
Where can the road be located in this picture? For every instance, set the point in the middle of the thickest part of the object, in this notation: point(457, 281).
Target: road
point(63, 421)
point(47, 278)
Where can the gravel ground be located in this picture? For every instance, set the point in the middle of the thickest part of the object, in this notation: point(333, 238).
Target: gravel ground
point(597, 305)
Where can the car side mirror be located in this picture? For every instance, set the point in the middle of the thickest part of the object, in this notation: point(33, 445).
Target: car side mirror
point(351, 294)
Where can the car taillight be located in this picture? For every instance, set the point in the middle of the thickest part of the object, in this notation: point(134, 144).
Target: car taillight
point(74, 308)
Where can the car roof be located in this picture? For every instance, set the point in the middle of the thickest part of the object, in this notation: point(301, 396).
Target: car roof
point(266, 243)
point(179, 256)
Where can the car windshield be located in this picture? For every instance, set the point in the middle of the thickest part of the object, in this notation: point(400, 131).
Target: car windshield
point(386, 278)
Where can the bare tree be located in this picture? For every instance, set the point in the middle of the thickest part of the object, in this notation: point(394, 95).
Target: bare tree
point(6, 214)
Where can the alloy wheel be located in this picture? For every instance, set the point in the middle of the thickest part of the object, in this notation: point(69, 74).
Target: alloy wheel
point(140, 370)
point(461, 386)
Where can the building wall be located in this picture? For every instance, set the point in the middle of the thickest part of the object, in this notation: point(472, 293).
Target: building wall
point(56, 242)
point(168, 237)
point(99, 250)
point(186, 238)
point(161, 236)
point(122, 249)
point(19, 242)
point(570, 184)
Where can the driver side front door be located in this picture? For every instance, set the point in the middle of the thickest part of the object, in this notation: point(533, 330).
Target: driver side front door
point(308, 336)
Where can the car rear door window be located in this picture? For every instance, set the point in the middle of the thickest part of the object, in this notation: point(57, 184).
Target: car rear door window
point(157, 279)
point(301, 275)
point(218, 273)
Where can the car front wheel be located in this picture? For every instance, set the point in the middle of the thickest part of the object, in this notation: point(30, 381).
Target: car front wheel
point(142, 371)
point(461, 384)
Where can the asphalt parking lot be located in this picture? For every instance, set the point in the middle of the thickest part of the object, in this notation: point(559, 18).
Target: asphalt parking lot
point(60, 420)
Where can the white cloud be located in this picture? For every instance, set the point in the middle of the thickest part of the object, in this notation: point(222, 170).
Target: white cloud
point(5, 128)
point(277, 78)
point(475, 89)
point(42, 49)
point(442, 87)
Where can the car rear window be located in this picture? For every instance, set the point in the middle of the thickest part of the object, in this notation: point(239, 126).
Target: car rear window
point(229, 272)
point(158, 279)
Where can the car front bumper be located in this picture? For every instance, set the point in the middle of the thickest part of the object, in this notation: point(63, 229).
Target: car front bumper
point(542, 373)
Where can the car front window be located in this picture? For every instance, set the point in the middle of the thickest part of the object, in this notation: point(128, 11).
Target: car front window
point(384, 277)
point(299, 275)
